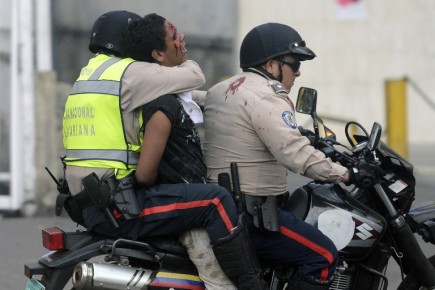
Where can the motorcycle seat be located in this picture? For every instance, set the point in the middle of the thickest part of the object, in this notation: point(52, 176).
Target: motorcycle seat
point(167, 244)
point(297, 202)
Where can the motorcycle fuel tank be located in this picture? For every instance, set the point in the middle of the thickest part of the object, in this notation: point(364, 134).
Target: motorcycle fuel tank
point(354, 228)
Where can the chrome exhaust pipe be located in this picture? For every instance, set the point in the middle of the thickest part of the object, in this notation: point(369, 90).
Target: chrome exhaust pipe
point(87, 276)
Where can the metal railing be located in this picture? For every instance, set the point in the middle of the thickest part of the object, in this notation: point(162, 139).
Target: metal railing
point(421, 93)
point(396, 110)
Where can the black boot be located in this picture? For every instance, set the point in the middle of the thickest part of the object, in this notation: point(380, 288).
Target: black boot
point(238, 260)
point(297, 282)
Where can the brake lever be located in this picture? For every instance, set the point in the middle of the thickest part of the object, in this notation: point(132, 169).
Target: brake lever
point(326, 146)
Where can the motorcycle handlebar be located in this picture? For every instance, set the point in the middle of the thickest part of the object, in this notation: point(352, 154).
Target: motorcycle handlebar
point(326, 145)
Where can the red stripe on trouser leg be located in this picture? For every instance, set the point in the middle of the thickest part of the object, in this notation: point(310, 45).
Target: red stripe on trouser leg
point(223, 213)
point(190, 205)
point(311, 245)
point(324, 274)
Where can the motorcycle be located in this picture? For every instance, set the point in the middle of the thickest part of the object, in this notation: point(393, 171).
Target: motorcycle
point(369, 224)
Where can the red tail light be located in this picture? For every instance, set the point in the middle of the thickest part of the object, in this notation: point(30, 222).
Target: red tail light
point(27, 271)
point(52, 238)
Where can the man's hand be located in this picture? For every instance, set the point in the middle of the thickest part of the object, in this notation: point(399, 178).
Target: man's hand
point(363, 175)
point(309, 134)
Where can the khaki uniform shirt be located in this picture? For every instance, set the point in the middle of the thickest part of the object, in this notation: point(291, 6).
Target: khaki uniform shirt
point(142, 82)
point(247, 122)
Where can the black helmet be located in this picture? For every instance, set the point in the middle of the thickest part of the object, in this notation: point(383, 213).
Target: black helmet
point(108, 31)
point(270, 40)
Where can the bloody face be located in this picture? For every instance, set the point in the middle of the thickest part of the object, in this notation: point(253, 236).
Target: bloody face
point(176, 52)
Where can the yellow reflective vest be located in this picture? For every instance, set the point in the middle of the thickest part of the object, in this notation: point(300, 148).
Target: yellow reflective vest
point(93, 131)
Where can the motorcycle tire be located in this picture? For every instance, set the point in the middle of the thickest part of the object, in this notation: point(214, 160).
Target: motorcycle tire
point(411, 281)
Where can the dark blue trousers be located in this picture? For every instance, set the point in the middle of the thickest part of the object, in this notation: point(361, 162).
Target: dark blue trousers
point(297, 244)
point(172, 209)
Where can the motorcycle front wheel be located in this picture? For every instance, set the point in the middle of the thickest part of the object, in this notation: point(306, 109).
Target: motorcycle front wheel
point(411, 281)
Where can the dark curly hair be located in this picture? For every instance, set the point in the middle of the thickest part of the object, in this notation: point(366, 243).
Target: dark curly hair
point(143, 36)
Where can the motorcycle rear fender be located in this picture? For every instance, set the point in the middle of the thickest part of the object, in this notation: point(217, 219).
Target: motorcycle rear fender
point(64, 258)
point(54, 278)
point(81, 246)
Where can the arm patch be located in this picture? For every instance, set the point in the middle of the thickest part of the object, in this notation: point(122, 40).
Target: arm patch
point(290, 119)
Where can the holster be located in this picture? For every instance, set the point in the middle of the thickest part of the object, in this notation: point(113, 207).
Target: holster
point(124, 198)
point(109, 193)
point(120, 194)
point(264, 211)
point(72, 207)
point(72, 204)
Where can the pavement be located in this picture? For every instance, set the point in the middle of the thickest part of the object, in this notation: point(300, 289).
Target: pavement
point(423, 159)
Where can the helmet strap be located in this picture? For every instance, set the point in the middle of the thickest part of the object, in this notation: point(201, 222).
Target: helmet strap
point(279, 78)
point(262, 72)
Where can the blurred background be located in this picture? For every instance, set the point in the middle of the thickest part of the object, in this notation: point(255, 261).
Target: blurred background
point(375, 62)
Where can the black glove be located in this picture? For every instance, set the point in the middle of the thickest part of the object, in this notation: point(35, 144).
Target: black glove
point(309, 134)
point(363, 175)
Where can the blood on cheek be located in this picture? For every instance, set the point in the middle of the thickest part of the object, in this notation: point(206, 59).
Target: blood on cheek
point(177, 44)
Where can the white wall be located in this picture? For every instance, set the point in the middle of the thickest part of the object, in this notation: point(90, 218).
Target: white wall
point(355, 57)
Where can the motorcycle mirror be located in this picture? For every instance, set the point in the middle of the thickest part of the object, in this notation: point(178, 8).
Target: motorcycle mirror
point(375, 137)
point(306, 104)
point(307, 101)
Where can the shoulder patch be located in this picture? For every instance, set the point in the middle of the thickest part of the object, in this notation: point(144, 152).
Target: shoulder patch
point(289, 119)
point(278, 87)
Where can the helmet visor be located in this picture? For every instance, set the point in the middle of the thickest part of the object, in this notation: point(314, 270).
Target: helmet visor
point(300, 51)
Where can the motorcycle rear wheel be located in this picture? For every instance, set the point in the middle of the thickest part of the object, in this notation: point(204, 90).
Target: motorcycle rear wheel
point(411, 281)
